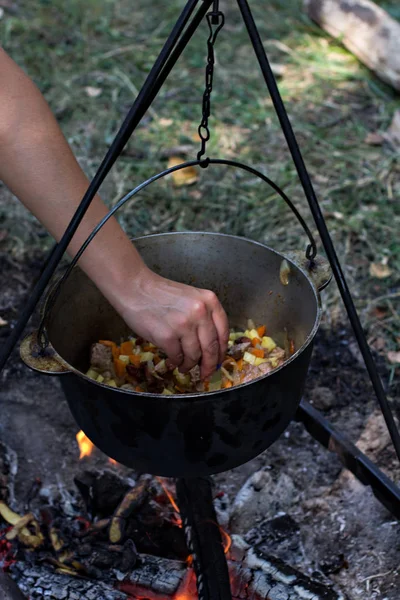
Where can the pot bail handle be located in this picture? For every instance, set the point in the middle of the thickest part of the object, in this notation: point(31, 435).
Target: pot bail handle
point(310, 253)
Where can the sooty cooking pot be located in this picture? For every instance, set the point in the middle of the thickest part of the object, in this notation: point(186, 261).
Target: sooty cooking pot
point(193, 434)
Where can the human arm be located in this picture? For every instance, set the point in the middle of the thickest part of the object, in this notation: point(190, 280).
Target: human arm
point(38, 166)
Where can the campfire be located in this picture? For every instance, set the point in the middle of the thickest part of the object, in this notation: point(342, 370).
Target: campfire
point(122, 539)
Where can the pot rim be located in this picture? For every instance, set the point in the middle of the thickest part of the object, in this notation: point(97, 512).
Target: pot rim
point(206, 395)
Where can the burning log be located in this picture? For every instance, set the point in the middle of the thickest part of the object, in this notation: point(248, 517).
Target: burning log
point(101, 493)
point(255, 577)
point(130, 503)
point(58, 586)
point(366, 30)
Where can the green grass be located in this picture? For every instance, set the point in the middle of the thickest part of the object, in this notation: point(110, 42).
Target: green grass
point(333, 102)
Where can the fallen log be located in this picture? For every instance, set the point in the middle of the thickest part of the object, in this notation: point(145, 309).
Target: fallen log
point(365, 29)
point(255, 577)
point(42, 583)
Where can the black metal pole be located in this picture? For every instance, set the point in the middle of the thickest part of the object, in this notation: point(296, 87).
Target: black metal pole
point(387, 492)
point(203, 537)
point(138, 109)
point(319, 220)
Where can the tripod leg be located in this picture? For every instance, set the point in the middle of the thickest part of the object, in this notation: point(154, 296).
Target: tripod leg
point(320, 222)
point(204, 539)
point(140, 106)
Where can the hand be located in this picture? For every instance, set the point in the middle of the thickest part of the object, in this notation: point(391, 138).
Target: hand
point(187, 323)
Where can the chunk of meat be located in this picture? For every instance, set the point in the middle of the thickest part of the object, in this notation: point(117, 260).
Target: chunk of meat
point(237, 350)
point(278, 353)
point(101, 358)
point(243, 340)
point(251, 372)
point(155, 385)
point(265, 368)
point(135, 374)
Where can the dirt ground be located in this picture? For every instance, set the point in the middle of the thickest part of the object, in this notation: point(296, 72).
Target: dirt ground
point(311, 514)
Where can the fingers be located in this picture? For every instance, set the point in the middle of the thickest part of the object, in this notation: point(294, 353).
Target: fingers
point(169, 342)
point(191, 350)
point(222, 326)
point(204, 334)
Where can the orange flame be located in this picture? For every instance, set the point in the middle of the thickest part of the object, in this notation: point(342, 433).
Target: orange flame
point(112, 461)
point(168, 494)
point(172, 501)
point(85, 445)
point(226, 540)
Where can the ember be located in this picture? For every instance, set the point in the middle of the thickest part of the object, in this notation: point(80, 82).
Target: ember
point(7, 555)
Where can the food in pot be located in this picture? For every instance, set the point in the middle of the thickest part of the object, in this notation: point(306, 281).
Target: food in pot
point(139, 366)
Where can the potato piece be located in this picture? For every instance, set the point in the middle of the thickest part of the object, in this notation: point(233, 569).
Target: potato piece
point(260, 361)
point(146, 356)
point(92, 374)
point(234, 335)
point(249, 358)
point(100, 379)
point(181, 378)
point(124, 358)
point(253, 333)
point(268, 343)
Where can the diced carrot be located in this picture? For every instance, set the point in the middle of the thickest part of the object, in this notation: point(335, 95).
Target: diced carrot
point(135, 359)
point(206, 385)
point(291, 347)
point(261, 331)
point(240, 364)
point(259, 352)
point(227, 384)
point(120, 367)
point(147, 348)
point(138, 389)
point(126, 348)
point(108, 343)
point(255, 342)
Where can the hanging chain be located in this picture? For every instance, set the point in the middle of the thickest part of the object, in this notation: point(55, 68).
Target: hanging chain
point(216, 17)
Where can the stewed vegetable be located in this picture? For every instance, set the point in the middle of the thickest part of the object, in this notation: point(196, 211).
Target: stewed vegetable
point(140, 366)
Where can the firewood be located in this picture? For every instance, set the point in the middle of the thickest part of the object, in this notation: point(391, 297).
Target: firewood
point(8, 515)
point(20, 526)
point(55, 539)
point(365, 29)
point(19, 529)
point(131, 502)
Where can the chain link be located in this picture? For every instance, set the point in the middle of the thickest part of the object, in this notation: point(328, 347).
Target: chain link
point(218, 19)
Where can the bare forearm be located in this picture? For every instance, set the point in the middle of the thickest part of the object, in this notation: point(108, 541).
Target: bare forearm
point(37, 164)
